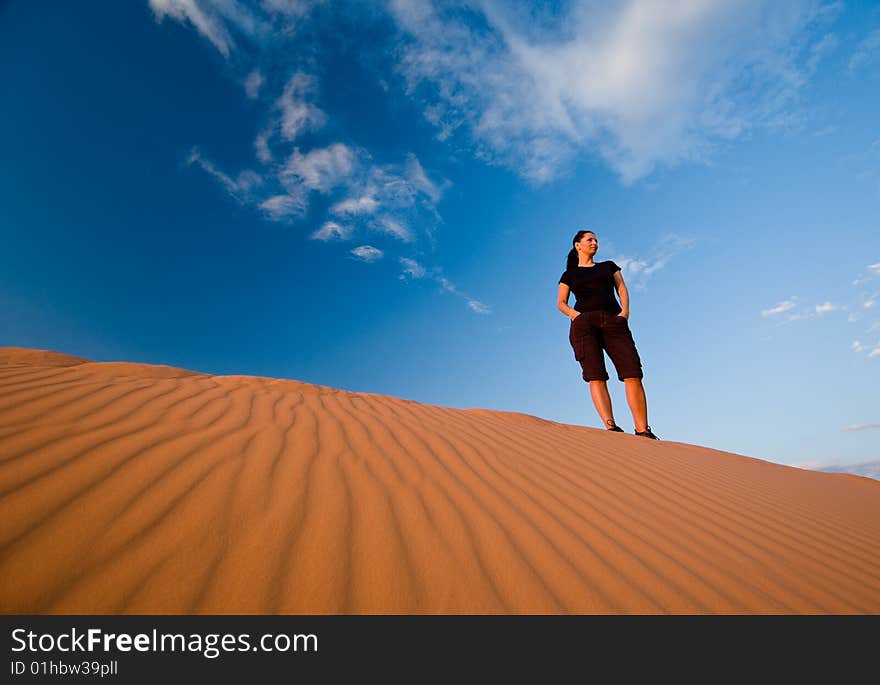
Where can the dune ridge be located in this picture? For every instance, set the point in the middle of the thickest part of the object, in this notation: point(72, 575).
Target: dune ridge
point(133, 488)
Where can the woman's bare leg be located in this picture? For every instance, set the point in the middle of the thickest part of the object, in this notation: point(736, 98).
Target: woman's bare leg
point(602, 401)
point(638, 403)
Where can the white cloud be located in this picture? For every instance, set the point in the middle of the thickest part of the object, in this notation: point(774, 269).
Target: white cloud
point(827, 307)
point(240, 187)
point(862, 426)
point(392, 186)
point(637, 270)
point(261, 145)
point(473, 304)
point(321, 169)
point(858, 346)
point(783, 306)
point(478, 307)
point(217, 19)
point(293, 114)
point(416, 270)
point(866, 51)
point(867, 304)
point(290, 8)
point(367, 253)
point(447, 284)
point(356, 206)
point(813, 465)
point(392, 226)
point(412, 268)
point(280, 207)
point(870, 469)
point(873, 271)
point(253, 83)
point(392, 198)
point(207, 23)
point(331, 230)
point(640, 83)
point(297, 113)
point(415, 174)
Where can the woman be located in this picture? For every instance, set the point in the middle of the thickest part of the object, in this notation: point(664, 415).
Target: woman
point(598, 322)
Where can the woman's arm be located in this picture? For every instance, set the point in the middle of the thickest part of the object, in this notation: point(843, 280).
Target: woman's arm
point(622, 293)
point(562, 302)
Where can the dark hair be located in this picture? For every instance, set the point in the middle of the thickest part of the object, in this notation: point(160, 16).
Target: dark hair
point(572, 260)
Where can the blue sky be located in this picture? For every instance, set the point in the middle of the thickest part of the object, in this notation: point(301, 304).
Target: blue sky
point(379, 196)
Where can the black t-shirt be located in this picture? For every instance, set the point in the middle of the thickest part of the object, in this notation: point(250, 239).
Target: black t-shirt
point(593, 287)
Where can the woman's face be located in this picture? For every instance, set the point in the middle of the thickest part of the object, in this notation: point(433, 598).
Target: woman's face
point(588, 244)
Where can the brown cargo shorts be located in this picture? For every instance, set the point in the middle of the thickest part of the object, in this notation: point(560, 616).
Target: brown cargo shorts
point(592, 332)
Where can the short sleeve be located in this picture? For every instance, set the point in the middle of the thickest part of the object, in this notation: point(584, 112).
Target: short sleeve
point(614, 266)
point(565, 278)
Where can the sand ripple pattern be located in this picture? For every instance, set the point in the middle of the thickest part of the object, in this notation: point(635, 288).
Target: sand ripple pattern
point(131, 488)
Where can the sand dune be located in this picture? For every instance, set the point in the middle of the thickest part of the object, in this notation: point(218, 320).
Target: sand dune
point(148, 489)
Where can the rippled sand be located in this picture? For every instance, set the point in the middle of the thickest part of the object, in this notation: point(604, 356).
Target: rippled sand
point(148, 489)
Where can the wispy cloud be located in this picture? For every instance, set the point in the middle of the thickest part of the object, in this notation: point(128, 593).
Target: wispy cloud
point(291, 9)
point(417, 177)
point(279, 207)
point(862, 426)
point(637, 270)
point(869, 469)
point(208, 22)
point(640, 83)
point(367, 253)
point(478, 307)
point(354, 206)
point(241, 187)
point(872, 350)
point(320, 169)
point(784, 306)
point(412, 268)
point(873, 272)
point(218, 20)
point(790, 310)
point(253, 83)
point(394, 227)
point(473, 304)
point(332, 231)
point(866, 51)
point(297, 113)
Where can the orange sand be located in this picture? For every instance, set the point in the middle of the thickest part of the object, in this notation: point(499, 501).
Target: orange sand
point(147, 489)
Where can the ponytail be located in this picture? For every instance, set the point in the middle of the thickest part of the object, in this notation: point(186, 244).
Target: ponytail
point(572, 260)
